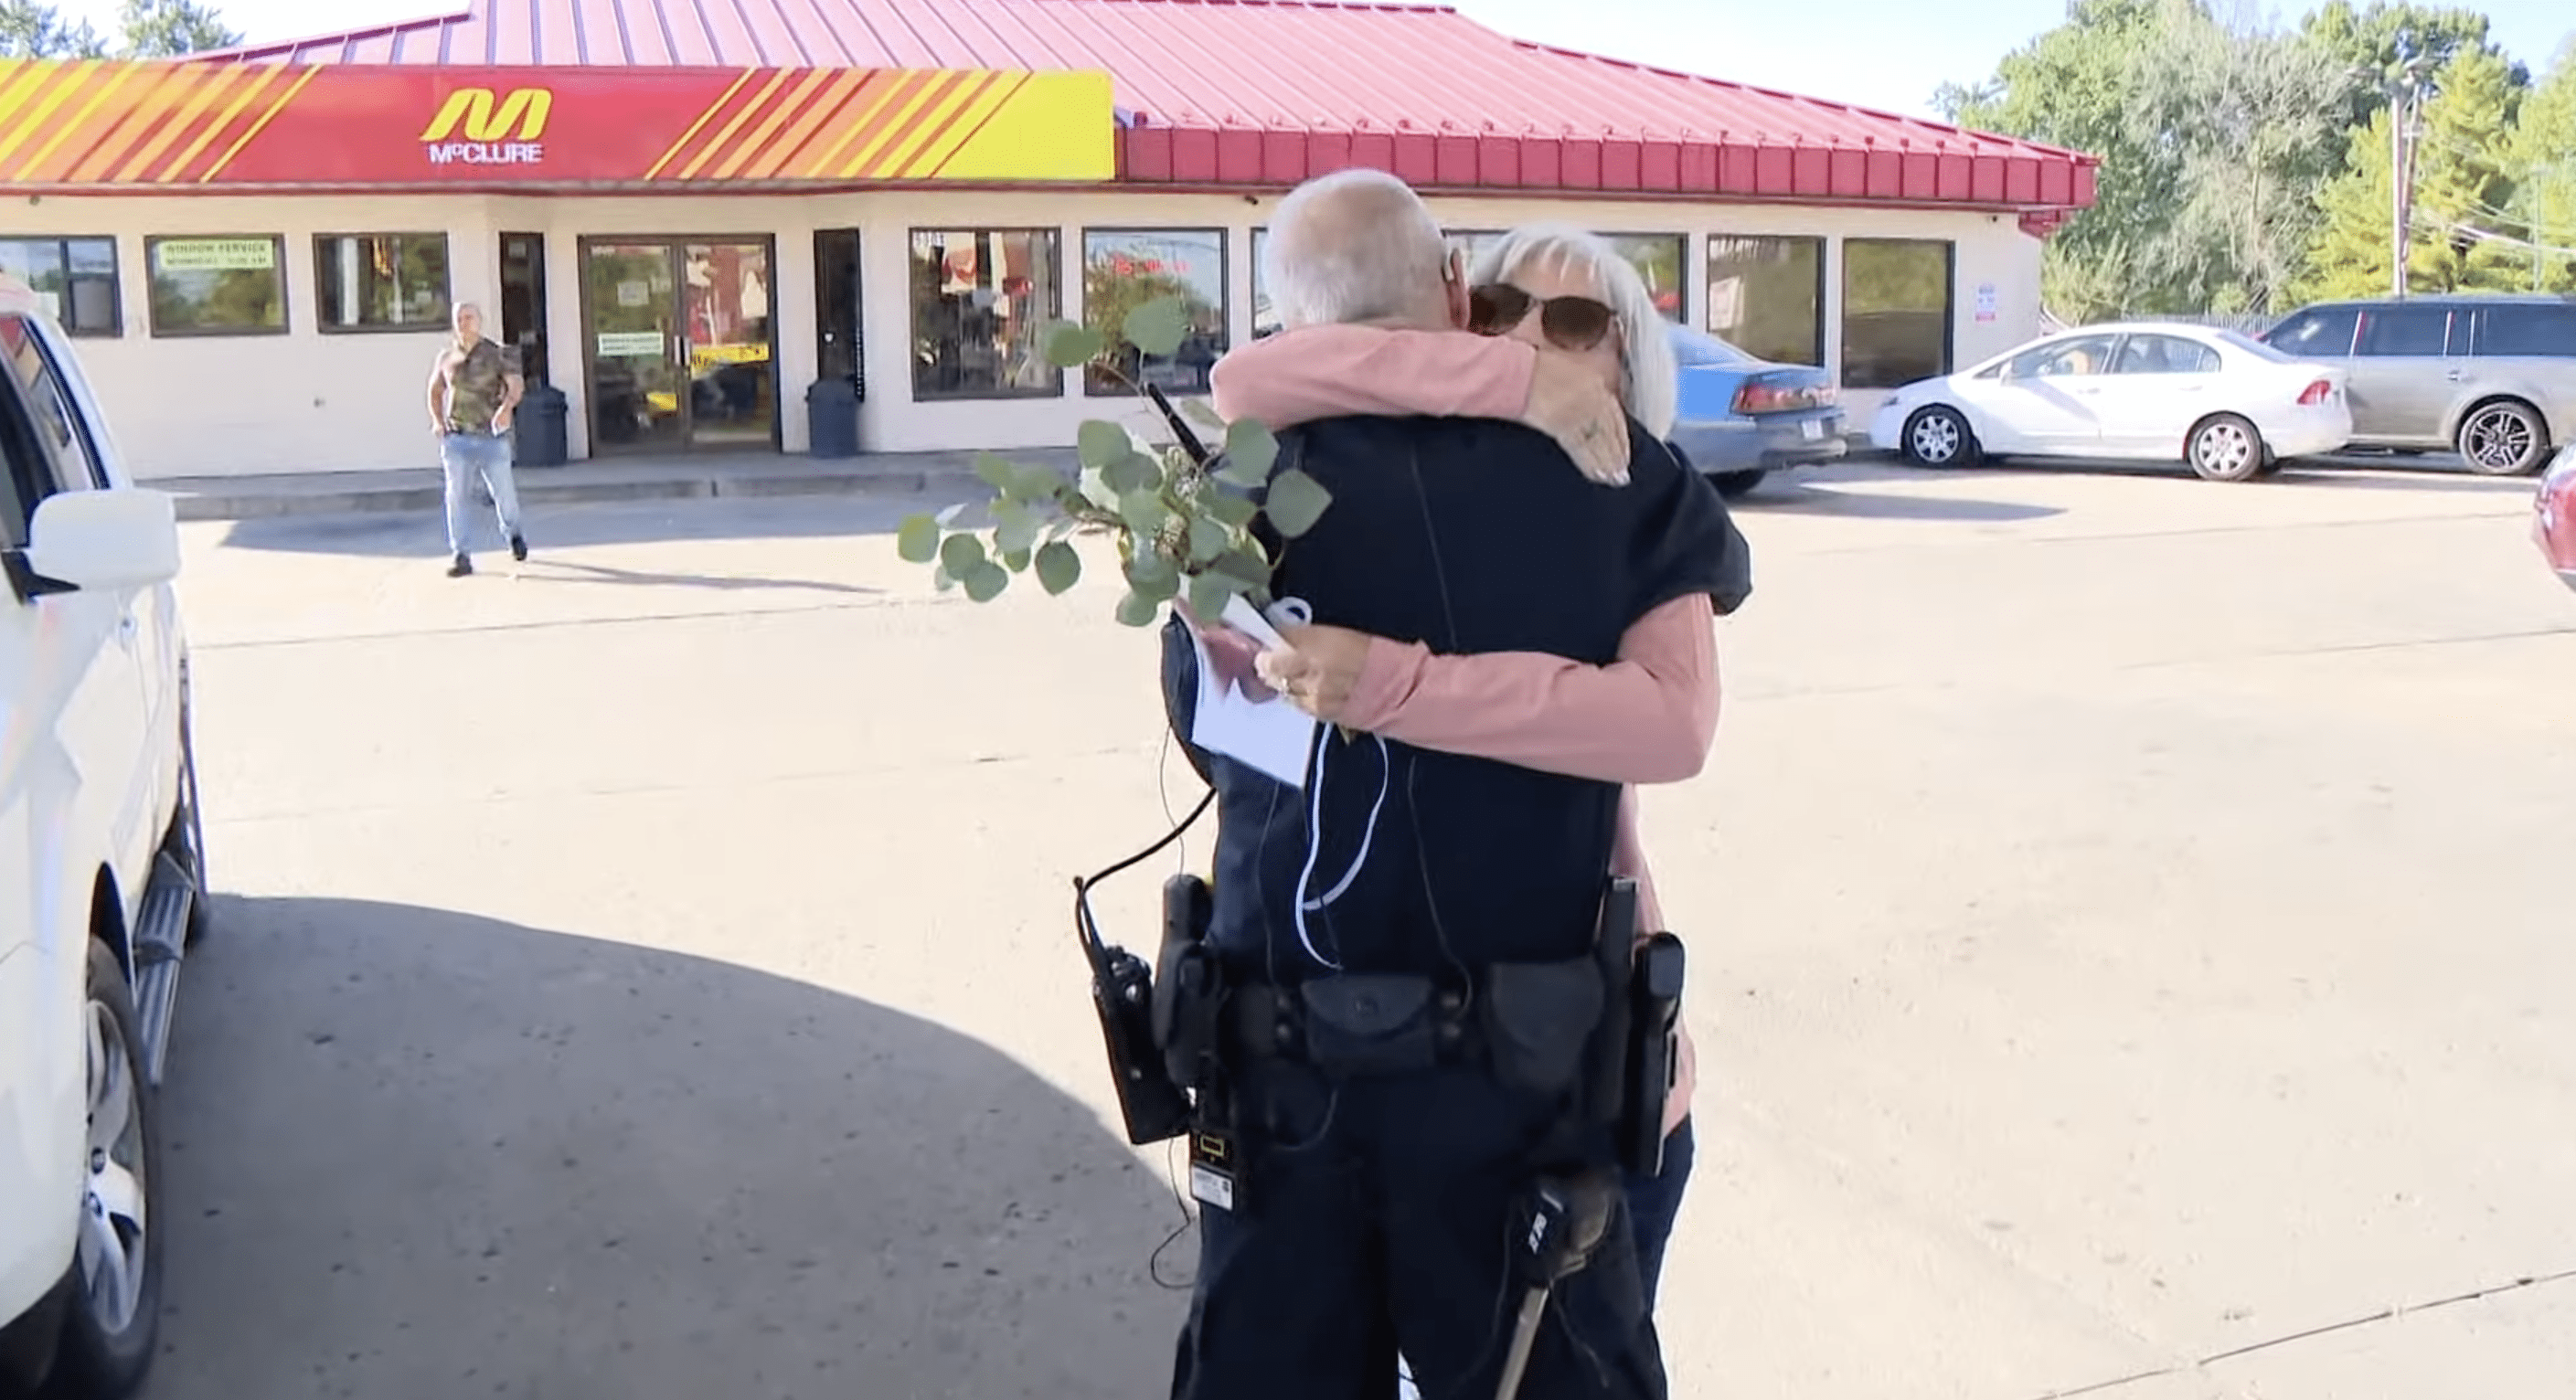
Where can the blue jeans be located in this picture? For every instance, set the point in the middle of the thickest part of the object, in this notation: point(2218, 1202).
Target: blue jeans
point(466, 456)
point(1655, 1201)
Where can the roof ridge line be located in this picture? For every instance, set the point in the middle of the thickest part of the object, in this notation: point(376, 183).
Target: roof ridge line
point(465, 12)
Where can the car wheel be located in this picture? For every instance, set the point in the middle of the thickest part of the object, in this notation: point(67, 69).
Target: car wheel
point(2225, 448)
point(116, 1307)
point(1735, 486)
point(2505, 438)
point(1939, 437)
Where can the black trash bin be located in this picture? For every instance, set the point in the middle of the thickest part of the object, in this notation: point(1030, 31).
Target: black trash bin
point(832, 418)
point(537, 429)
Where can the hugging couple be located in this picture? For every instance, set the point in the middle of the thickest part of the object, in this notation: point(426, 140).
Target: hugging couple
point(1552, 329)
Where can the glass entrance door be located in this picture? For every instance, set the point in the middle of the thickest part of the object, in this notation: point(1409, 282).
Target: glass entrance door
point(679, 344)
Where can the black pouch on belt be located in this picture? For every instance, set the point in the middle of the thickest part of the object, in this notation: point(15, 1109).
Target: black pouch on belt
point(1538, 1022)
point(1370, 1024)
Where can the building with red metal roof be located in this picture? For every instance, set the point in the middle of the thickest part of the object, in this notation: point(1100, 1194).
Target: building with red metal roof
point(689, 213)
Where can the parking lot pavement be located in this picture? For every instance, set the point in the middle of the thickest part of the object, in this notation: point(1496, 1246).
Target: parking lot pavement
point(2127, 921)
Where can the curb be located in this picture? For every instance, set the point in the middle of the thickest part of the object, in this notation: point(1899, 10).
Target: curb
point(255, 498)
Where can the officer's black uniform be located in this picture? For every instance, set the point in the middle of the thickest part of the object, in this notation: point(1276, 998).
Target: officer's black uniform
point(1376, 1205)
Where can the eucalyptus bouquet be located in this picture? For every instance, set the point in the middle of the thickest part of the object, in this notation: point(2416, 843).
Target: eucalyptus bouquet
point(1182, 515)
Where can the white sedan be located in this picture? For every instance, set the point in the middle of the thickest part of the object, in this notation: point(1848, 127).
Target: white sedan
point(2230, 407)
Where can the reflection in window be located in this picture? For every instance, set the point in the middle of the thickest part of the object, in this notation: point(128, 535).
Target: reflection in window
point(74, 277)
point(1123, 269)
point(1658, 259)
point(217, 286)
point(981, 302)
point(2325, 333)
point(381, 281)
point(2165, 354)
point(1265, 321)
point(2080, 355)
point(2405, 330)
point(1896, 311)
point(1767, 296)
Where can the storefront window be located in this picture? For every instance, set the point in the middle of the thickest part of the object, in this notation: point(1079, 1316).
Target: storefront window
point(381, 281)
point(981, 302)
point(218, 286)
point(1123, 269)
point(1766, 297)
point(74, 277)
point(1658, 259)
point(1896, 311)
point(1264, 320)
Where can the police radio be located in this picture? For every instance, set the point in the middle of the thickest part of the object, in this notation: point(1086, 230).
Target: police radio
point(1122, 992)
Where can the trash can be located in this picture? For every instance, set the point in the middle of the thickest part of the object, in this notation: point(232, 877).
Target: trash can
point(537, 430)
point(832, 418)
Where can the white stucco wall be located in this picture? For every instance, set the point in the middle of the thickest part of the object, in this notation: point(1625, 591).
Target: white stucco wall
point(307, 402)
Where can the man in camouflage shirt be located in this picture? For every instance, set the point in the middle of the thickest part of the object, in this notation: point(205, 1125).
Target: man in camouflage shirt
point(473, 390)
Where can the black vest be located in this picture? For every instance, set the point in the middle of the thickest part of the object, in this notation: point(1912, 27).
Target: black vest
point(1468, 536)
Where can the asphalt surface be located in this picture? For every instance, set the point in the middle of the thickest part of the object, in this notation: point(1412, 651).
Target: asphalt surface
point(2130, 926)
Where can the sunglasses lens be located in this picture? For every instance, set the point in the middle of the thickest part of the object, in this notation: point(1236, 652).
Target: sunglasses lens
point(1575, 323)
point(1494, 309)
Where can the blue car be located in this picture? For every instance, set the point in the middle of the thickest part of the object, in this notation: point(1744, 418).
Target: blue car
point(1742, 419)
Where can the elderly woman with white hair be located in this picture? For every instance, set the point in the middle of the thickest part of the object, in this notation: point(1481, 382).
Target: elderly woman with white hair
point(1542, 299)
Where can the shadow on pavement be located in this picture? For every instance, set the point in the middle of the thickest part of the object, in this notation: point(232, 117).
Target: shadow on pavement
point(419, 1153)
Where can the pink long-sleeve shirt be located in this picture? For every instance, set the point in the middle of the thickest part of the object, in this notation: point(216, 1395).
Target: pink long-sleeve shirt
point(1648, 717)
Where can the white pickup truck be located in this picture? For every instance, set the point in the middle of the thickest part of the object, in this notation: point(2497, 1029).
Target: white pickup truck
point(101, 861)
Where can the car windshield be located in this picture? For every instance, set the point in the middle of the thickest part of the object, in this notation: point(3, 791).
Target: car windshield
point(1699, 348)
point(2255, 348)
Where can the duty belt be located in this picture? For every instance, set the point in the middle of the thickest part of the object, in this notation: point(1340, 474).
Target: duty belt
point(1527, 1022)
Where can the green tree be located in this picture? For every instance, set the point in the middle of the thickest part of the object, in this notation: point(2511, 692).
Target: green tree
point(169, 28)
point(2544, 168)
point(145, 29)
point(2376, 45)
point(29, 29)
point(2213, 138)
point(2464, 166)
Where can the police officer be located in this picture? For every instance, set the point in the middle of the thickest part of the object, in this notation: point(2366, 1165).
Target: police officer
point(1409, 940)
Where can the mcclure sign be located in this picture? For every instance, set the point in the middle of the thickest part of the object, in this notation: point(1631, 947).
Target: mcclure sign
point(171, 126)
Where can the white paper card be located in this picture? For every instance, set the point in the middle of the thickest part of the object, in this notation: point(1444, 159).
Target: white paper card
point(1271, 735)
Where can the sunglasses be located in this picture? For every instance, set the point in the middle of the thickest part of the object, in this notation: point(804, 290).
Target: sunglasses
point(1569, 323)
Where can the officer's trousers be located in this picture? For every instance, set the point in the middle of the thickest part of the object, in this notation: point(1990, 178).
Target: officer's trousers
point(1378, 1220)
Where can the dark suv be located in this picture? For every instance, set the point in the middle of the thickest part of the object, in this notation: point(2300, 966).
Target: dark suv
point(2493, 376)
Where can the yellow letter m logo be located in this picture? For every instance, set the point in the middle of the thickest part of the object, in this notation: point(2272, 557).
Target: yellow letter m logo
point(473, 111)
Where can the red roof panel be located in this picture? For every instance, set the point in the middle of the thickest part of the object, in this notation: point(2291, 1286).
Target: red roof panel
point(1299, 87)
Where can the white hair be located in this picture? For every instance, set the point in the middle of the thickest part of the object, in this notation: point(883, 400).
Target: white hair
point(1651, 377)
point(1355, 245)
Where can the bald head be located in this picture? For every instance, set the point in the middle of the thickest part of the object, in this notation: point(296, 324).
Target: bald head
point(1358, 245)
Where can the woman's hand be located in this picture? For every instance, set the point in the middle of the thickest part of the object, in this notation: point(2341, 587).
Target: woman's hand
point(1319, 669)
point(1568, 402)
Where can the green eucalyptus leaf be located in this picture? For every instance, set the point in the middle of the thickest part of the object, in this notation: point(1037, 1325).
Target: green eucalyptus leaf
point(1061, 526)
point(1150, 566)
point(1133, 472)
point(1203, 411)
point(997, 471)
point(1015, 528)
point(1159, 326)
point(1296, 501)
point(1017, 561)
point(917, 539)
point(959, 554)
point(942, 580)
point(1244, 566)
point(1250, 453)
point(948, 514)
point(1135, 610)
point(1059, 567)
point(1210, 592)
point(985, 581)
point(1097, 490)
point(1102, 443)
point(1070, 345)
point(1234, 510)
point(1143, 511)
point(1209, 538)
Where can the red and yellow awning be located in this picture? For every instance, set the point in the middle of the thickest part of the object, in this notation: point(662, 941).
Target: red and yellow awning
point(166, 127)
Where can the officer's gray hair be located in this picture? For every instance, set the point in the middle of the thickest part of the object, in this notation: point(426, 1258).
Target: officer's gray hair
point(1355, 245)
point(1651, 377)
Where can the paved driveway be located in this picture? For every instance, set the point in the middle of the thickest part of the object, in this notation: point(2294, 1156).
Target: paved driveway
point(2129, 913)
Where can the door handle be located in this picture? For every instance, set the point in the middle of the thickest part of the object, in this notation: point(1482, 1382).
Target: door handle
point(2453, 376)
point(125, 627)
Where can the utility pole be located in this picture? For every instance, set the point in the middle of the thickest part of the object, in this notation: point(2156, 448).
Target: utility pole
point(2405, 91)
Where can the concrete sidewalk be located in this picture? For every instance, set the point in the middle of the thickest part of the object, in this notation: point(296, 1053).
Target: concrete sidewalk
point(661, 478)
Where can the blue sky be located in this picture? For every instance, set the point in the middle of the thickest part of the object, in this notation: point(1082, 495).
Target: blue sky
point(1889, 54)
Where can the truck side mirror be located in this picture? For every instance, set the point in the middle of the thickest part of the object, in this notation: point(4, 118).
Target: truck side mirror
point(123, 538)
